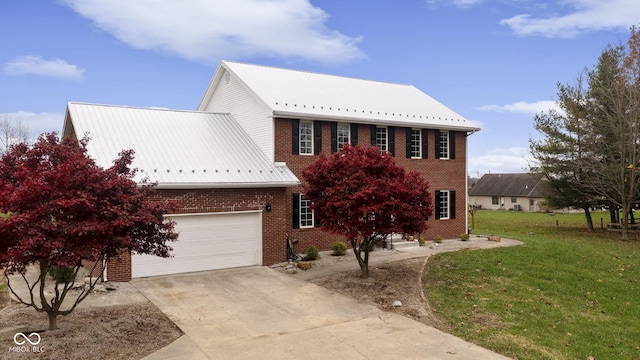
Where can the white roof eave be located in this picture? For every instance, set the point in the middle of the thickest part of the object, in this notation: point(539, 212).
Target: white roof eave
point(237, 185)
point(373, 120)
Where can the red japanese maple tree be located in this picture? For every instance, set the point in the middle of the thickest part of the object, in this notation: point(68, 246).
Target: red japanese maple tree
point(62, 209)
point(364, 195)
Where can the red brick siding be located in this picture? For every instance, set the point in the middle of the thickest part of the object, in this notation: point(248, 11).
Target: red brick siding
point(274, 222)
point(441, 175)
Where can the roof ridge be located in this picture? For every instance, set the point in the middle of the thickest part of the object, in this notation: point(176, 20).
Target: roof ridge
point(145, 108)
point(317, 73)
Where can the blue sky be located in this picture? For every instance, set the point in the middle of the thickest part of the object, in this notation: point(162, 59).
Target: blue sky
point(495, 63)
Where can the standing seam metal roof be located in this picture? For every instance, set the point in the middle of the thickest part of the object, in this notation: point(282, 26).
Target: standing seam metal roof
point(293, 93)
point(177, 149)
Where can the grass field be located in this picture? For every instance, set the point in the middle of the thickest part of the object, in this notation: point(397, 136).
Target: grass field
point(564, 294)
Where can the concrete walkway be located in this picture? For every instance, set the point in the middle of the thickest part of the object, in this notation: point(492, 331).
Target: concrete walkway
point(259, 312)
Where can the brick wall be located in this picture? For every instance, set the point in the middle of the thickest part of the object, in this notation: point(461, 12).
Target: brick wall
point(441, 175)
point(274, 222)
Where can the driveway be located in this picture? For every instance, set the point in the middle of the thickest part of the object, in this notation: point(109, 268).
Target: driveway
point(260, 313)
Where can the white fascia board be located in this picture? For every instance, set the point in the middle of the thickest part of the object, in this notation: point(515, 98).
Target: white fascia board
point(226, 185)
point(370, 121)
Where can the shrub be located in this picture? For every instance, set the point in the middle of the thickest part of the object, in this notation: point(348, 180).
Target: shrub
point(339, 248)
point(438, 239)
point(61, 274)
point(464, 237)
point(422, 241)
point(312, 253)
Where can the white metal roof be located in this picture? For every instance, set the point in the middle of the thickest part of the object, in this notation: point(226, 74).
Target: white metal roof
point(292, 93)
point(177, 149)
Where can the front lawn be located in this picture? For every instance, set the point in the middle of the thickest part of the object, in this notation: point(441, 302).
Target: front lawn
point(564, 294)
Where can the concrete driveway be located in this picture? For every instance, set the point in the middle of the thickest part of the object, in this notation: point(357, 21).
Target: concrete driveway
point(260, 313)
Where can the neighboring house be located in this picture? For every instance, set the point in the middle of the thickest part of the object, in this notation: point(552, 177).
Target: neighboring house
point(255, 130)
point(519, 192)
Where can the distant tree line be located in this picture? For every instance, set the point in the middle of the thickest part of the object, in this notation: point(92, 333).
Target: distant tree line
point(590, 150)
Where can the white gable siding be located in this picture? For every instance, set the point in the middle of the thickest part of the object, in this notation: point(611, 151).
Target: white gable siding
point(254, 117)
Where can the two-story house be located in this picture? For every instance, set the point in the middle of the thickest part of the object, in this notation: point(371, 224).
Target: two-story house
point(234, 164)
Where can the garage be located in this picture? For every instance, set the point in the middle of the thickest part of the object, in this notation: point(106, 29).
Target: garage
point(207, 242)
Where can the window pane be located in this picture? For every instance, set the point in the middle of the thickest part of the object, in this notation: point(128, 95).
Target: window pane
point(306, 137)
point(416, 144)
point(494, 200)
point(444, 205)
point(306, 214)
point(381, 138)
point(343, 135)
point(444, 145)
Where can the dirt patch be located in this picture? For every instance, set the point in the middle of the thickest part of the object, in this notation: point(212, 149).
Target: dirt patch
point(387, 283)
point(109, 332)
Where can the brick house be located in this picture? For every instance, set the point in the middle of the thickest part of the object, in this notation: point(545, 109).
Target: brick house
point(294, 116)
point(234, 164)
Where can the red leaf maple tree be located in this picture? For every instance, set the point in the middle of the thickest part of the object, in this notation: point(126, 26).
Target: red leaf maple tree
point(362, 194)
point(61, 208)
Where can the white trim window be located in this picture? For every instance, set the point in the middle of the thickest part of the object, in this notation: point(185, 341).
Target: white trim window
point(416, 144)
point(443, 142)
point(443, 204)
point(306, 214)
point(382, 139)
point(343, 136)
point(306, 138)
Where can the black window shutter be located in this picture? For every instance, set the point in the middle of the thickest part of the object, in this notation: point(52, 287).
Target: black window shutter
point(408, 149)
point(295, 137)
point(373, 135)
point(296, 210)
point(425, 143)
point(317, 137)
point(452, 145)
point(437, 207)
point(437, 153)
point(316, 220)
point(334, 137)
point(452, 204)
point(391, 133)
point(354, 134)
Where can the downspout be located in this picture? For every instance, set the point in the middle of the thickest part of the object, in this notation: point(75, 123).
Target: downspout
point(466, 183)
point(104, 269)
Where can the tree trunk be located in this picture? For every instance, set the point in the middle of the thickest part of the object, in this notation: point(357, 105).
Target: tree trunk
point(364, 263)
point(587, 214)
point(625, 224)
point(53, 321)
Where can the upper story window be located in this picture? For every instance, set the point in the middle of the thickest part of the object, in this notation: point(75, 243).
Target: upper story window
point(416, 144)
point(306, 138)
point(443, 145)
point(343, 136)
point(382, 139)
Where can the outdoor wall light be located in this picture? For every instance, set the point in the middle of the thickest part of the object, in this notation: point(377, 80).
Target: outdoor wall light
point(267, 207)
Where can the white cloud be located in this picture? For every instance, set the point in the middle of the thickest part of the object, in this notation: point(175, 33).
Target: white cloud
point(37, 123)
point(511, 160)
point(522, 107)
point(36, 65)
point(208, 30)
point(585, 15)
point(457, 3)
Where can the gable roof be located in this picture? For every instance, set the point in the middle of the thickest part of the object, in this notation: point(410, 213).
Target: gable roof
point(301, 94)
point(526, 185)
point(176, 149)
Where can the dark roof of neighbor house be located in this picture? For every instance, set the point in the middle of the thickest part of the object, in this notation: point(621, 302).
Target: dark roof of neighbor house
point(526, 185)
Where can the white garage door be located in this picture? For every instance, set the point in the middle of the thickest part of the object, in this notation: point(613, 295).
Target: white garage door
point(207, 242)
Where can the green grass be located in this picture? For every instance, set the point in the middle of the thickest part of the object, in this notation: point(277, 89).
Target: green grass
point(564, 294)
